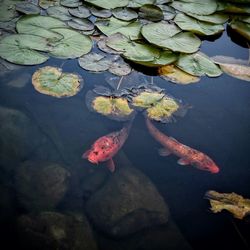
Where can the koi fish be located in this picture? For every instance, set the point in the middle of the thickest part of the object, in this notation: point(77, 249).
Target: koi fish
point(106, 147)
point(188, 156)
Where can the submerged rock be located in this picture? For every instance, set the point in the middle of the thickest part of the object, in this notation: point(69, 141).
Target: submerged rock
point(127, 203)
point(50, 230)
point(41, 186)
point(19, 137)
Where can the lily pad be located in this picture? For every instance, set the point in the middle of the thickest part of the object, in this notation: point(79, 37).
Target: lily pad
point(139, 3)
point(8, 10)
point(103, 13)
point(198, 64)
point(233, 8)
point(198, 27)
point(40, 26)
point(59, 12)
point(52, 81)
point(70, 3)
point(108, 4)
point(27, 8)
point(81, 24)
point(22, 49)
point(169, 36)
point(73, 44)
point(196, 6)
point(94, 62)
point(80, 12)
point(176, 75)
point(151, 12)
point(168, 12)
point(216, 18)
point(103, 47)
point(125, 14)
point(242, 28)
point(45, 4)
point(234, 67)
point(113, 25)
point(163, 110)
point(120, 68)
point(147, 99)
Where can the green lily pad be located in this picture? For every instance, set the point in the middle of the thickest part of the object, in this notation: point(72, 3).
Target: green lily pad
point(198, 27)
point(234, 67)
point(147, 99)
point(169, 36)
point(233, 8)
point(113, 25)
point(162, 1)
point(52, 81)
point(151, 12)
point(81, 24)
point(108, 4)
point(80, 12)
point(8, 10)
point(22, 49)
point(196, 6)
point(198, 64)
point(139, 3)
point(163, 110)
point(125, 14)
point(216, 18)
point(27, 8)
point(94, 62)
point(40, 26)
point(103, 13)
point(103, 47)
point(244, 19)
point(120, 68)
point(168, 12)
point(45, 4)
point(73, 44)
point(70, 3)
point(9, 26)
point(243, 28)
point(176, 75)
point(132, 50)
point(59, 12)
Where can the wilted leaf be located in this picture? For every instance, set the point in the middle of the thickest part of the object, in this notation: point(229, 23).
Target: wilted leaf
point(151, 12)
point(147, 99)
point(52, 81)
point(169, 36)
point(59, 12)
point(81, 24)
point(21, 49)
point(120, 68)
point(242, 28)
point(108, 4)
point(198, 27)
point(198, 64)
point(94, 62)
point(72, 45)
point(231, 202)
point(27, 8)
point(80, 12)
point(234, 67)
point(176, 75)
point(124, 14)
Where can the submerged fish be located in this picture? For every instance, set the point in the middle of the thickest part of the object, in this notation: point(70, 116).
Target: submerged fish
point(106, 147)
point(188, 156)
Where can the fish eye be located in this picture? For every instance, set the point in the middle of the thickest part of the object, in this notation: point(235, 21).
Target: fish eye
point(95, 152)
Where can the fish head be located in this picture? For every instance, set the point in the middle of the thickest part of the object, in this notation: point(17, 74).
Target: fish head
point(208, 164)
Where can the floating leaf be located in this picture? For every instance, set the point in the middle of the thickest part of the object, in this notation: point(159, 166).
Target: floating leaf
point(196, 6)
point(147, 99)
point(108, 4)
point(120, 68)
point(168, 12)
point(94, 62)
point(199, 27)
point(113, 25)
point(198, 64)
point(163, 110)
point(151, 12)
point(52, 81)
point(216, 18)
point(81, 24)
point(45, 4)
point(8, 10)
point(231, 202)
point(176, 75)
point(27, 8)
point(102, 46)
point(233, 8)
point(169, 36)
point(124, 14)
point(234, 67)
point(101, 12)
point(40, 26)
point(80, 12)
point(242, 28)
point(9, 26)
point(59, 12)
point(139, 3)
point(72, 45)
point(70, 3)
point(21, 49)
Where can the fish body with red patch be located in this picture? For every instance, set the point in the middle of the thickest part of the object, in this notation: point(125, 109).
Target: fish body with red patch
point(106, 147)
point(188, 156)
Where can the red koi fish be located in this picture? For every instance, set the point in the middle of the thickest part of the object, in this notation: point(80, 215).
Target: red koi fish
point(106, 147)
point(188, 156)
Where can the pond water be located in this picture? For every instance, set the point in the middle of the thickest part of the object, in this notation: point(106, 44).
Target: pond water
point(42, 131)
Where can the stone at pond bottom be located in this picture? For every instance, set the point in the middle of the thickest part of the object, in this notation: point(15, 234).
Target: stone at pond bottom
point(127, 203)
point(19, 137)
point(41, 186)
point(51, 230)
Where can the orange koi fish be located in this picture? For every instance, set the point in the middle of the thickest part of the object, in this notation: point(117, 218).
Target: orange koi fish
point(106, 147)
point(188, 156)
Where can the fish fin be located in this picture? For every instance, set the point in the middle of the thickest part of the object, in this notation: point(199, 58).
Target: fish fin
point(172, 138)
point(164, 152)
point(111, 165)
point(86, 154)
point(183, 162)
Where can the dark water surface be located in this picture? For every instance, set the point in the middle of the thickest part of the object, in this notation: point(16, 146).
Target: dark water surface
point(218, 123)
